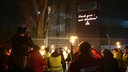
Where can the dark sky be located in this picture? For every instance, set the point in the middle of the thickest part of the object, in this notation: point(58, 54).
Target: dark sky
point(114, 15)
point(8, 11)
point(8, 18)
point(110, 8)
point(115, 8)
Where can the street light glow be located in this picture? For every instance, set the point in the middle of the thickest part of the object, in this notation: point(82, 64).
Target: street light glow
point(52, 48)
point(42, 51)
point(72, 39)
point(38, 12)
point(118, 44)
point(42, 47)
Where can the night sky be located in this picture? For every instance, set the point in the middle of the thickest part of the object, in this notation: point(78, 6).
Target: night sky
point(115, 8)
point(8, 12)
point(9, 18)
point(114, 15)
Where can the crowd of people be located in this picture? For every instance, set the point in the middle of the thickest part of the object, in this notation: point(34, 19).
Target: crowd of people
point(25, 57)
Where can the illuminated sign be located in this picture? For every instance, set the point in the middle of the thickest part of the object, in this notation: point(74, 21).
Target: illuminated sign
point(87, 11)
point(87, 18)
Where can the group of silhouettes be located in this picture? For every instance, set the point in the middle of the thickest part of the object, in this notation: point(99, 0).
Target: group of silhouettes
point(25, 57)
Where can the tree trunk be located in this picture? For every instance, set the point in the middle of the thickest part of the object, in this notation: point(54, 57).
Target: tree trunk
point(40, 22)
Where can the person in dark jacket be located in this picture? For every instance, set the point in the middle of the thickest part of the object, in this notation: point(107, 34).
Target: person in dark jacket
point(20, 43)
point(63, 60)
point(110, 64)
point(86, 62)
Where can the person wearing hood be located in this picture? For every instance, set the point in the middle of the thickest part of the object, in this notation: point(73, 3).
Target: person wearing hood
point(109, 63)
point(55, 62)
point(86, 62)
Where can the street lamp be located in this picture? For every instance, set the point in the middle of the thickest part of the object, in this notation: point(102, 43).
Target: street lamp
point(72, 40)
point(109, 42)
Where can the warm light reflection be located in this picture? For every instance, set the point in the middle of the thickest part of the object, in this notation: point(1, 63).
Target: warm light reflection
point(42, 47)
point(72, 39)
point(65, 54)
point(42, 51)
point(52, 48)
point(65, 48)
point(118, 44)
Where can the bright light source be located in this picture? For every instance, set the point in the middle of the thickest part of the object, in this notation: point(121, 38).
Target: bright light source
point(65, 48)
point(87, 18)
point(72, 39)
point(69, 51)
point(52, 48)
point(42, 52)
point(87, 23)
point(38, 12)
point(42, 47)
point(65, 54)
point(118, 44)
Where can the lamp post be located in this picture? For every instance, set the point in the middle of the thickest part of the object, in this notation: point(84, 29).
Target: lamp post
point(109, 42)
point(72, 40)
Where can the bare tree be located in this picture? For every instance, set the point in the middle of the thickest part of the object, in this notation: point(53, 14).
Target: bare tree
point(36, 15)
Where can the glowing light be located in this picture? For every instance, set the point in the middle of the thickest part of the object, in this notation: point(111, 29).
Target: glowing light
point(42, 52)
point(8, 52)
point(87, 23)
point(118, 44)
point(65, 48)
point(72, 39)
point(52, 48)
point(42, 47)
point(87, 18)
point(69, 51)
point(38, 12)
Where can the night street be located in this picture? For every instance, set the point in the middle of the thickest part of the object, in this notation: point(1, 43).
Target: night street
point(63, 36)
